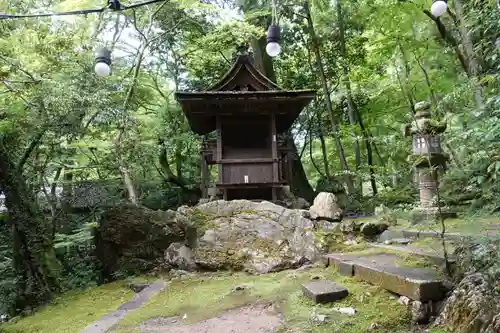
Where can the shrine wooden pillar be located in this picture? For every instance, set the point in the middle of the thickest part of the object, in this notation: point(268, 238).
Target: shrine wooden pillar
point(204, 176)
point(274, 152)
point(220, 170)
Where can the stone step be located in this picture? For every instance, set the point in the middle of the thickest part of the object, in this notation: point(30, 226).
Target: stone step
point(435, 257)
point(418, 284)
point(398, 233)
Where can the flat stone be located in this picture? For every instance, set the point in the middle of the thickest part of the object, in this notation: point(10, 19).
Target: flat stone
point(382, 270)
point(434, 257)
point(400, 241)
point(392, 233)
point(343, 266)
point(144, 295)
point(324, 291)
point(108, 321)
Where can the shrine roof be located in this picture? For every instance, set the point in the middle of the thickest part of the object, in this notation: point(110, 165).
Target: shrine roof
point(243, 91)
point(243, 65)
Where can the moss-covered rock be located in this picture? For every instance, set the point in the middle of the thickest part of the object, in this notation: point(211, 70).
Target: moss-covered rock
point(474, 305)
point(258, 237)
point(132, 239)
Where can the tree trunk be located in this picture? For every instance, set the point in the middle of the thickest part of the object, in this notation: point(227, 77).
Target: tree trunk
point(326, 92)
point(64, 216)
point(323, 145)
point(347, 84)
point(34, 258)
point(468, 48)
point(369, 153)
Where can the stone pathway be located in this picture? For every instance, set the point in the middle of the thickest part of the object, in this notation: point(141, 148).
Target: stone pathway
point(109, 320)
point(257, 318)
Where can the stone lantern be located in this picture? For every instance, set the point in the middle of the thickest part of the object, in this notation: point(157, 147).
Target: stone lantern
point(428, 159)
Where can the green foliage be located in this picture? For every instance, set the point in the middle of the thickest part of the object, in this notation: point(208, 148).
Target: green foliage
point(76, 253)
point(480, 256)
point(65, 125)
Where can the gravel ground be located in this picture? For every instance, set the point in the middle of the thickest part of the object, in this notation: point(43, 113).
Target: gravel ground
point(249, 319)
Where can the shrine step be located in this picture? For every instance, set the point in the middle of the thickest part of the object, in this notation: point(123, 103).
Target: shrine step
point(435, 257)
point(420, 284)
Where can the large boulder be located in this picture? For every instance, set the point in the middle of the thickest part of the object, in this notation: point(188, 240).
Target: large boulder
point(131, 239)
point(258, 237)
point(372, 229)
point(326, 206)
point(473, 307)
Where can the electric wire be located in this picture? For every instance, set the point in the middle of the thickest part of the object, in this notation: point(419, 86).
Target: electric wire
point(112, 5)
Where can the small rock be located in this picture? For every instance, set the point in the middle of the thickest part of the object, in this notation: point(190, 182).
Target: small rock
point(177, 273)
point(404, 300)
point(138, 287)
point(318, 318)
point(421, 312)
point(349, 227)
point(370, 229)
point(326, 206)
point(181, 256)
point(240, 287)
point(351, 242)
point(347, 311)
point(328, 226)
point(373, 326)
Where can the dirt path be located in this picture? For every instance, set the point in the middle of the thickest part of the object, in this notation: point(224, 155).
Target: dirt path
point(250, 319)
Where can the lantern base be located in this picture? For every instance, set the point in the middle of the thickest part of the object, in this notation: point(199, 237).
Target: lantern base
point(429, 215)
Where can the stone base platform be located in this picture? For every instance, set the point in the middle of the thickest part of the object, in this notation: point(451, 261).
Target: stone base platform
point(424, 215)
point(382, 270)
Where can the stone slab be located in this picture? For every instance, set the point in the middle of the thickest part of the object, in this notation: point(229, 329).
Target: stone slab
point(144, 295)
point(392, 233)
point(433, 256)
point(341, 262)
point(324, 291)
point(399, 241)
point(108, 321)
point(382, 270)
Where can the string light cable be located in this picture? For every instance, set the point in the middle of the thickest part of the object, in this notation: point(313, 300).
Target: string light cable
point(273, 47)
point(113, 5)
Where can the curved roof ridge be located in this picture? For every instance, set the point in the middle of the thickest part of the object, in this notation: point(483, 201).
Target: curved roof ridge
point(243, 61)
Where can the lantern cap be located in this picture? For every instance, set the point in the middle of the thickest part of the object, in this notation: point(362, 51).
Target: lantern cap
point(423, 105)
point(103, 55)
point(273, 34)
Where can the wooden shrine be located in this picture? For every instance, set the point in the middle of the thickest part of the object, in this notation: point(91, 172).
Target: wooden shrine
point(248, 112)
